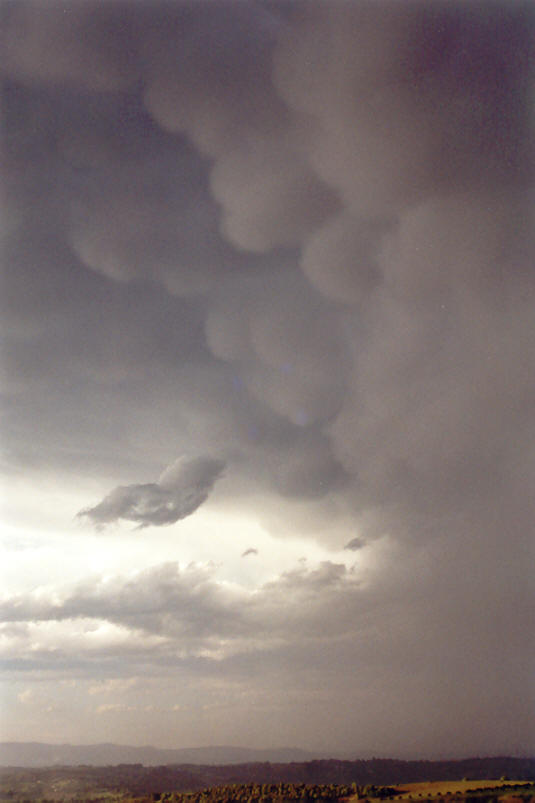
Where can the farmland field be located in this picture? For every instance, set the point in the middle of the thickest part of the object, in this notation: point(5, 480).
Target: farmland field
point(432, 789)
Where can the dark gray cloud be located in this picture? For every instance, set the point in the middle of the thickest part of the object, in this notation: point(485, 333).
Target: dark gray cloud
point(300, 236)
point(354, 544)
point(180, 490)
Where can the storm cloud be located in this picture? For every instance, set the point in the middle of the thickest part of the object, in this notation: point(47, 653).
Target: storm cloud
point(296, 239)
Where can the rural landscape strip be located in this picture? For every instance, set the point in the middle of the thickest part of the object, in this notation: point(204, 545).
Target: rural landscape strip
point(259, 783)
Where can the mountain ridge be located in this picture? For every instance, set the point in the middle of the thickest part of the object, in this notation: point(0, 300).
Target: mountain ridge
point(43, 754)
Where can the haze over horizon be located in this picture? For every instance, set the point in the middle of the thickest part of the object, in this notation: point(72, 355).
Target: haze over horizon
point(268, 370)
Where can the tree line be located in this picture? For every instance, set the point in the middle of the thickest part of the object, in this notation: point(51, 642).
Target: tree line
point(276, 793)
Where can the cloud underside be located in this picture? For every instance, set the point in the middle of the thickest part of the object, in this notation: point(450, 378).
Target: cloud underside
point(321, 274)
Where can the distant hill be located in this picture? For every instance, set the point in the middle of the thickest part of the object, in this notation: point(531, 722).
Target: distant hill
point(40, 754)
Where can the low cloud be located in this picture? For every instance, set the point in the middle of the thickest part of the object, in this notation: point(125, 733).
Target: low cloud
point(107, 707)
point(354, 544)
point(26, 697)
point(180, 490)
point(189, 606)
point(323, 635)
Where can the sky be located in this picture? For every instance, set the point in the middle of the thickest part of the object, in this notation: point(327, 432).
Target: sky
point(268, 432)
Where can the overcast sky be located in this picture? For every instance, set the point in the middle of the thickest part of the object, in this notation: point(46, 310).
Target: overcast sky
point(268, 375)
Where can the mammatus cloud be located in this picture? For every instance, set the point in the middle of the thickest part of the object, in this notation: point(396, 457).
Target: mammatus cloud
point(180, 490)
point(306, 247)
